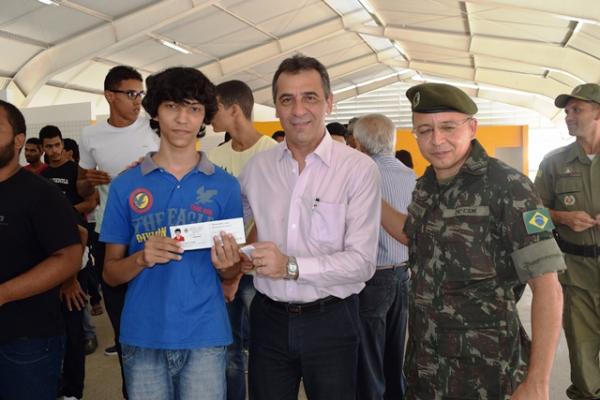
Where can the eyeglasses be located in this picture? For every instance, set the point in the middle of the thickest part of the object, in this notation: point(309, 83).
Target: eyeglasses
point(447, 128)
point(131, 94)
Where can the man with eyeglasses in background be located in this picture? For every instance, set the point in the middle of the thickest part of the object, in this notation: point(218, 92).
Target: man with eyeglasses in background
point(477, 232)
point(107, 148)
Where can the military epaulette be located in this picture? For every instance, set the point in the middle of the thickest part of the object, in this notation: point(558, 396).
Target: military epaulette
point(556, 151)
point(477, 166)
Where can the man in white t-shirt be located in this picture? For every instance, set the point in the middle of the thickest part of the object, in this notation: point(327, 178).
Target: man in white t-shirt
point(234, 115)
point(107, 148)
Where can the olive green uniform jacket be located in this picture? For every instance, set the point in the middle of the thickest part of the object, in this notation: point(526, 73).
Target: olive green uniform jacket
point(569, 181)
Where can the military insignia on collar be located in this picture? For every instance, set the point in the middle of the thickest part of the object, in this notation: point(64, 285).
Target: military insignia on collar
point(537, 221)
point(416, 99)
point(567, 171)
point(569, 200)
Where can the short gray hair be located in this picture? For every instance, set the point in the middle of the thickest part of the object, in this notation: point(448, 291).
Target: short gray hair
point(376, 134)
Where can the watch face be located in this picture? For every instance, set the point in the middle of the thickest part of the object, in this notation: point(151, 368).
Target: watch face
point(292, 266)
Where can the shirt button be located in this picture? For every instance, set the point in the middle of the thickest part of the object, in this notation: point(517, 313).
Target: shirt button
point(293, 226)
point(178, 186)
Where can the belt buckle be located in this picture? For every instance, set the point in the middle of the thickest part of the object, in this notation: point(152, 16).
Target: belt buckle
point(293, 308)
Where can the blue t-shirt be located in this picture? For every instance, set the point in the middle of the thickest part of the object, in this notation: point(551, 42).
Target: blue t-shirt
point(180, 304)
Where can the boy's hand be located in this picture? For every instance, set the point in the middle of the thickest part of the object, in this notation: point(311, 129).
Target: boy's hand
point(225, 252)
point(159, 250)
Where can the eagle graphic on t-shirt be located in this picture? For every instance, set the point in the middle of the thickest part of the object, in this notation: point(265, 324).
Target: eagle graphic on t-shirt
point(204, 196)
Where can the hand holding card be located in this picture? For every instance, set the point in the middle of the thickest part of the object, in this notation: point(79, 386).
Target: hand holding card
point(247, 266)
point(200, 235)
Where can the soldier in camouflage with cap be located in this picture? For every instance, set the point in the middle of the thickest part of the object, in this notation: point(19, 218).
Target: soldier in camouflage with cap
point(569, 183)
point(477, 231)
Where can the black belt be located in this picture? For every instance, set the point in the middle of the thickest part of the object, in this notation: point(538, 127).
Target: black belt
point(577, 249)
point(301, 308)
point(404, 265)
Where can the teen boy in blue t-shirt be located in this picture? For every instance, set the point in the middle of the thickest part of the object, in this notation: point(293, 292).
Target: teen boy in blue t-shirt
point(174, 326)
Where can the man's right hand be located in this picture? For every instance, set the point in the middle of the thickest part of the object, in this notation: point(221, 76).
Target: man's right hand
point(578, 221)
point(96, 177)
point(159, 250)
point(135, 163)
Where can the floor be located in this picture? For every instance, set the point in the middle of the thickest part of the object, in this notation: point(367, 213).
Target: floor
point(103, 381)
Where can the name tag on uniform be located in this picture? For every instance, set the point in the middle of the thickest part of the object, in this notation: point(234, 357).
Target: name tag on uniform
point(200, 235)
point(475, 211)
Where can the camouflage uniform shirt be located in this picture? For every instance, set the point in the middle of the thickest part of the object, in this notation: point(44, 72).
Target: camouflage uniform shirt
point(469, 253)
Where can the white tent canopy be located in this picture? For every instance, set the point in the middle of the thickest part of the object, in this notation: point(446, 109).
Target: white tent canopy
point(519, 53)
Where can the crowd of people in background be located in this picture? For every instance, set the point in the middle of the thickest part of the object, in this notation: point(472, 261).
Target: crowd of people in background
point(352, 257)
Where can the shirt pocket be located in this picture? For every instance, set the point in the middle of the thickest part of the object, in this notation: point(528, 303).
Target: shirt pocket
point(328, 225)
point(569, 193)
point(465, 241)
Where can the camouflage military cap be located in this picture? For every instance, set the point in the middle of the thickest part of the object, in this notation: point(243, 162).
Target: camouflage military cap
point(585, 92)
point(439, 97)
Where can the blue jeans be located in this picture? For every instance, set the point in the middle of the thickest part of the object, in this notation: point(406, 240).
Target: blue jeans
point(383, 315)
point(156, 374)
point(239, 317)
point(30, 368)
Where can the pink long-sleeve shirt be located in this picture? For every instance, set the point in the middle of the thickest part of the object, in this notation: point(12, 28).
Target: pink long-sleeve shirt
point(327, 216)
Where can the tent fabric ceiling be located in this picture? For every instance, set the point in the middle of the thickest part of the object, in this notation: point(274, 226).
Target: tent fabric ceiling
point(521, 53)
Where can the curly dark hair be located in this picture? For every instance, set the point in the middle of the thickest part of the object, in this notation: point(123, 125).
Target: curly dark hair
point(179, 84)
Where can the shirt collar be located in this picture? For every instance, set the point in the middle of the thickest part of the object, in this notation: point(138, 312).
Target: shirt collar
point(323, 150)
point(575, 151)
point(204, 165)
point(475, 164)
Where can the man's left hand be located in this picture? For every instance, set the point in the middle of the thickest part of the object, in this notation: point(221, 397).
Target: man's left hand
point(530, 391)
point(72, 295)
point(269, 260)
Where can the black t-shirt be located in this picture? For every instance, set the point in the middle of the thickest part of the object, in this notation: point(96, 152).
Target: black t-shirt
point(65, 177)
point(35, 221)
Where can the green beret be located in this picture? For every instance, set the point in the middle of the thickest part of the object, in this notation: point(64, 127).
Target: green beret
point(439, 97)
point(585, 92)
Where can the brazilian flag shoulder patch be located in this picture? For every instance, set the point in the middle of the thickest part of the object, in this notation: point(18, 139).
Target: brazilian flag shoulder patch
point(537, 221)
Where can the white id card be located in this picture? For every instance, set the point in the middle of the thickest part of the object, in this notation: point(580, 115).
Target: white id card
point(200, 235)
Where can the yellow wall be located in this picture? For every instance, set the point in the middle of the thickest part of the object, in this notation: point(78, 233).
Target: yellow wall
point(491, 137)
point(268, 128)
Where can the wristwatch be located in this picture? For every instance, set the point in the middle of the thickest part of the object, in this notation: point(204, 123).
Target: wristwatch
point(291, 269)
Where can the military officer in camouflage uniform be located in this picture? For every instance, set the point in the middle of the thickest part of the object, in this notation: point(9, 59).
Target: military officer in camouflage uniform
point(477, 231)
point(569, 184)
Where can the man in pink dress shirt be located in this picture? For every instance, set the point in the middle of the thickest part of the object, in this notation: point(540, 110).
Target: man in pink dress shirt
point(316, 205)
